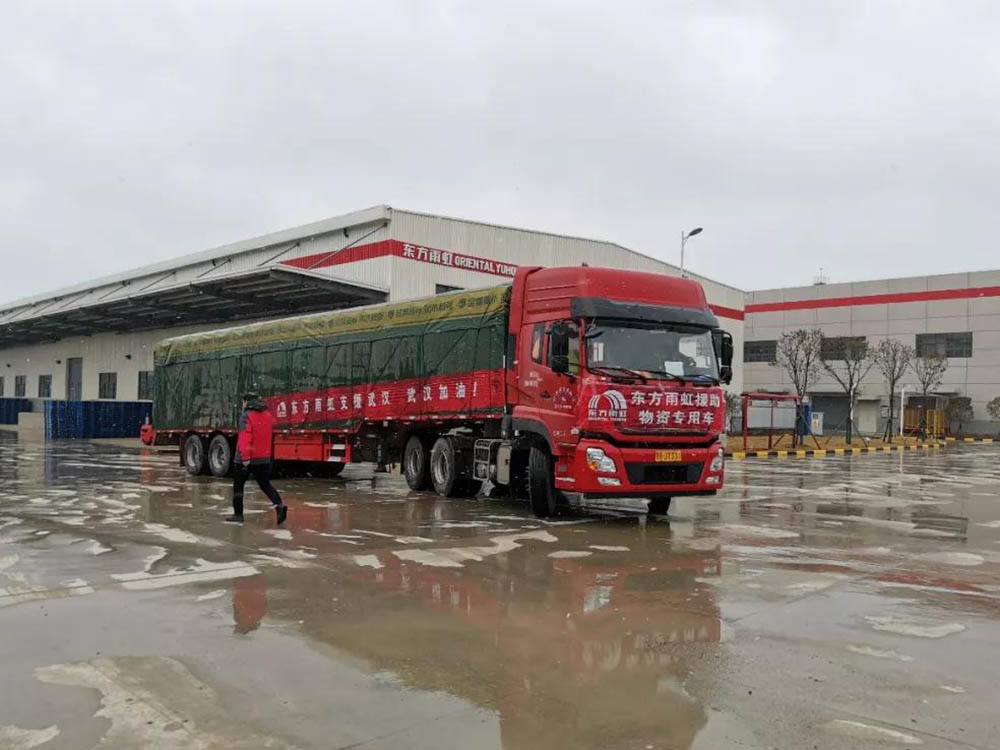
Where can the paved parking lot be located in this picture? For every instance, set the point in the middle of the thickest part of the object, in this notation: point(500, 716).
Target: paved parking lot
point(817, 603)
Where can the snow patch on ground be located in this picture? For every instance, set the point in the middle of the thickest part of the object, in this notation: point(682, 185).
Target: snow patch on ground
point(454, 557)
point(912, 626)
point(170, 533)
point(963, 559)
point(879, 653)
point(867, 732)
point(217, 594)
point(15, 738)
point(760, 531)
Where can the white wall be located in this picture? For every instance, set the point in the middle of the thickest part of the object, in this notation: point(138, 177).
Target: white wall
point(105, 352)
point(977, 377)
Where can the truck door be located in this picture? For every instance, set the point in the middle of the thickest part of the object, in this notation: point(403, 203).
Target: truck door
point(550, 365)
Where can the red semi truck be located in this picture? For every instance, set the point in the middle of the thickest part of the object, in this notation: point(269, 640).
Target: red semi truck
point(593, 381)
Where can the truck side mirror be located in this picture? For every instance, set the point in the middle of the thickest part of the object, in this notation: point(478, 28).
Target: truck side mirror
point(723, 341)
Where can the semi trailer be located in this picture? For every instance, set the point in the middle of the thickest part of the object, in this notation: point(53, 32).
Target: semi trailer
point(590, 381)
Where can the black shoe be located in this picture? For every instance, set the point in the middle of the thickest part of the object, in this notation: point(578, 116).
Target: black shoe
point(282, 512)
point(234, 519)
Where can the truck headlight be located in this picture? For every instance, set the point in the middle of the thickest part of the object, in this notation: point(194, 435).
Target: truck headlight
point(599, 461)
point(718, 462)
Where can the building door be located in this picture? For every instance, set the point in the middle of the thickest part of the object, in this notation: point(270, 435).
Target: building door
point(74, 379)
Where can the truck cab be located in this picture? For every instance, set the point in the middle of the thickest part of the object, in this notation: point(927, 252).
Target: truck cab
point(614, 386)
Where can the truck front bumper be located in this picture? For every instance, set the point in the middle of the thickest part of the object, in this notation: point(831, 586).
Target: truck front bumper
point(622, 471)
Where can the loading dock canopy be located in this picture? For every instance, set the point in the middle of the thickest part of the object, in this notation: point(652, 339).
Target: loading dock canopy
point(258, 293)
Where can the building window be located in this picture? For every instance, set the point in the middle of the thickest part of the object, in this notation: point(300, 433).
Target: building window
point(837, 347)
point(957, 345)
point(44, 386)
point(107, 385)
point(20, 382)
point(445, 288)
point(1, 386)
point(145, 385)
point(760, 351)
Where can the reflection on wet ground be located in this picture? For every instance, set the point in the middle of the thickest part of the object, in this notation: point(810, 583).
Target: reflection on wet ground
point(847, 602)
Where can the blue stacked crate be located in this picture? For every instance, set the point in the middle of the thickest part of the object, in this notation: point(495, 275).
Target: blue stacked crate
point(80, 420)
point(11, 407)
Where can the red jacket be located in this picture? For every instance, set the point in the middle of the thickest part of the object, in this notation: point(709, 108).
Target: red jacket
point(253, 446)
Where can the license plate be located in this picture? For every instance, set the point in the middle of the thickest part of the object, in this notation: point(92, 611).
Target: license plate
point(667, 456)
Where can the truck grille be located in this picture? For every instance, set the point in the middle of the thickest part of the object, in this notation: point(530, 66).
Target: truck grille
point(664, 473)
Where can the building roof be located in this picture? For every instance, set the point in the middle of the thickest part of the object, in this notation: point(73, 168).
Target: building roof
point(238, 281)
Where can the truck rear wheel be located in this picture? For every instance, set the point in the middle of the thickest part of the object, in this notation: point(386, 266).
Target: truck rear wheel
point(194, 455)
point(445, 473)
point(220, 456)
point(541, 483)
point(416, 463)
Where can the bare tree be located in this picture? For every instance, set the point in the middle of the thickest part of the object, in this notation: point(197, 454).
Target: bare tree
point(960, 410)
point(929, 370)
point(993, 408)
point(798, 353)
point(848, 362)
point(734, 408)
point(892, 357)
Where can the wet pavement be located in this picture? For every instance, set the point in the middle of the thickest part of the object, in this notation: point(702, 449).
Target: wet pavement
point(817, 603)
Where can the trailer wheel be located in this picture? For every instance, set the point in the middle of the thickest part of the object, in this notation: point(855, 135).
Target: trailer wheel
point(194, 455)
point(541, 483)
point(444, 469)
point(659, 506)
point(220, 456)
point(416, 463)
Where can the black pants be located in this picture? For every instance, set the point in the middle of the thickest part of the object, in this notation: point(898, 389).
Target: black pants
point(262, 475)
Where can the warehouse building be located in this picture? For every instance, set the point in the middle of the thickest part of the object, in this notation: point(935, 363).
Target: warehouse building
point(954, 315)
point(95, 340)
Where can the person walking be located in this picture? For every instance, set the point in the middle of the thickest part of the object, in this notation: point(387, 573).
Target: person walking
point(253, 457)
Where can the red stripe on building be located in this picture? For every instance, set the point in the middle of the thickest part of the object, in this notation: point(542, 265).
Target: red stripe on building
point(876, 299)
point(727, 312)
point(434, 256)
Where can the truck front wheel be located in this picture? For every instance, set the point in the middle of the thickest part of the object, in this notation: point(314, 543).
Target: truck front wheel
point(220, 456)
point(541, 483)
point(194, 455)
point(416, 464)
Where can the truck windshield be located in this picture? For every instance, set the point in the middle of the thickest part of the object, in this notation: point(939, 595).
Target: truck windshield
point(651, 351)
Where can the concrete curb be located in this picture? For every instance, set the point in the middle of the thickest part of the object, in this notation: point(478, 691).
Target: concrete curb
point(821, 452)
point(972, 440)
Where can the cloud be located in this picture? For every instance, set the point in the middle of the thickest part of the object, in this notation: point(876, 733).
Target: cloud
point(857, 137)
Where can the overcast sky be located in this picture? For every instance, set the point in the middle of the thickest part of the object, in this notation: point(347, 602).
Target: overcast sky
point(857, 136)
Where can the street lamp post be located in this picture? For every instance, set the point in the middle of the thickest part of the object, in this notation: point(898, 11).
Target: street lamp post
point(685, 236)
